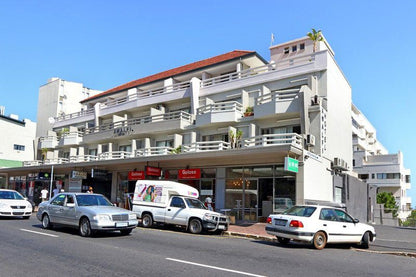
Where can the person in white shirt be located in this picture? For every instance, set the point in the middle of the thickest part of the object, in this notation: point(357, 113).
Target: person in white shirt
point(44, 194)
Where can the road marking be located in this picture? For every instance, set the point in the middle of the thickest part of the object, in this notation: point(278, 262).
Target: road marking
point(30, 231)
point(215, 267)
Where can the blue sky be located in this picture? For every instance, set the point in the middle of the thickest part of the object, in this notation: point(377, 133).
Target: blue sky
point(103, 44)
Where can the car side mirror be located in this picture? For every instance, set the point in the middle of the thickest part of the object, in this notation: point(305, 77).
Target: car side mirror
point(71, 205)
point(114, 204)
point(356, 220)
point(25, 198)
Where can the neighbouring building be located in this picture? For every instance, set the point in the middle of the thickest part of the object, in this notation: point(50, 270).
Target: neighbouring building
point(255, 136)
point(17, 138)
point(383, 172)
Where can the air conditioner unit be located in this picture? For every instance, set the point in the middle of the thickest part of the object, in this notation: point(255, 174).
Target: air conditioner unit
point(337, 162)
point(310, 140)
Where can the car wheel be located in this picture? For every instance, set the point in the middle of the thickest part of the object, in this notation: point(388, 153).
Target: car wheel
point(85, 227)
point(147, 221)
point(365, 241)
point(319, 240)
point(283, 240)
point(126, 232)
point(195, 226)
point(46, 222)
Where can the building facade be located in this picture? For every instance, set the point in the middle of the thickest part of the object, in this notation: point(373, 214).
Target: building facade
point(255, 136)
point(383, 172)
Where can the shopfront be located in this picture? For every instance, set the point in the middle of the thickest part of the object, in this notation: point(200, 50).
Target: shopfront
point(253, 193)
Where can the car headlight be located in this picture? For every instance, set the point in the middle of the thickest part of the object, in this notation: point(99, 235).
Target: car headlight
point(209, 217)
point(2, 205)
point(102, 217)
point(132, 216)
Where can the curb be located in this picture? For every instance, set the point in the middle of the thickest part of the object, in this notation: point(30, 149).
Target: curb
point(405, 254)
point(250, 236)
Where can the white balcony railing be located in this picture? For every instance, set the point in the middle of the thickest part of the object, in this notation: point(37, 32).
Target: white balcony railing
point(178, 115)
point(203, 146)
point(231, 106)
point(272, 140)
point(74, 115)
point(48, 142)
point(154, 151)
point(276, 96)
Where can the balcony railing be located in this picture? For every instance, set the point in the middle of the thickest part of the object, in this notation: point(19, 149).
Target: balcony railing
point(279, 95)
point(74, 115)
point(202, 146)
point(154, 151)
point(230, 106)
point(71, 138)
point(48, 142)
point(143, 94)
point(178, 115)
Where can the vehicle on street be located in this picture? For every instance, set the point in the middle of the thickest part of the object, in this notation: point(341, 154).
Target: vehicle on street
point(177, 204)
point(87, 212)
point(319, 225)
point(13, 204)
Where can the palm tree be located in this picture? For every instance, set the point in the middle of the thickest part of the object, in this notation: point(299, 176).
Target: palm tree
point(315, 36)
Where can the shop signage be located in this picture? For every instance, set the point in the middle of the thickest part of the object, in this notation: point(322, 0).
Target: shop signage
point(291, 164)
point(78, 174)
point(153, 171)
point(194, 173)
point(122, 131)
point(136, 175)
point(44, 175)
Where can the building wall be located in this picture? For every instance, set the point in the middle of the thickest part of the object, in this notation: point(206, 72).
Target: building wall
point(19, 133)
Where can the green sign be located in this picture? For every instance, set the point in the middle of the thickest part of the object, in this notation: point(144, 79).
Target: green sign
point(291, 165)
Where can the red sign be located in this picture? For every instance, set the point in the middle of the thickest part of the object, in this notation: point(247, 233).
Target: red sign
point(193, 173)
point(136, 175)
point(153, 171)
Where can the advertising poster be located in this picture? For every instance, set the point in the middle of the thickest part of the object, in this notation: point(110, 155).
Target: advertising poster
point(149, 193)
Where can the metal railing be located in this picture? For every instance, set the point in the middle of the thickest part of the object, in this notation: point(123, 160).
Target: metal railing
point(154, 151)
point(278, 95)
point(231, 106)
point(74, 115)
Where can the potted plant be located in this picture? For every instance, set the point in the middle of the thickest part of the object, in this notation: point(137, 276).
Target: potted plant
point(249, 111)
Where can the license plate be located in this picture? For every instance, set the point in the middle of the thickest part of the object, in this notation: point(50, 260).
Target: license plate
point(221, 227)
point(121, 224)
point(280, 222)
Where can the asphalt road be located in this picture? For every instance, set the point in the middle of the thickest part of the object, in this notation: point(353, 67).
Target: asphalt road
point(26, 249)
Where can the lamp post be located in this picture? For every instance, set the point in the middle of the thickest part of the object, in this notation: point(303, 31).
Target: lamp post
point(50, 186)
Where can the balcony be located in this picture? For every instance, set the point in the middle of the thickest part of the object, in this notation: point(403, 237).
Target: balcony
point(56, 161)
point(148, 124)
point(273, 140)
point(74, 118)
point(48, 142)
point(82, 158)
point(219, 112)
point(204, 146)
point(277, 102)
point(72, 138)
point(115, 155)
point(154, 151)
point(143, 98)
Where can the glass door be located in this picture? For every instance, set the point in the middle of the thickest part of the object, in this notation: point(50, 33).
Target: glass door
point(250, 199)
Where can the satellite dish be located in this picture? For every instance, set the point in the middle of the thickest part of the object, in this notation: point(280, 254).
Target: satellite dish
point(51, 120)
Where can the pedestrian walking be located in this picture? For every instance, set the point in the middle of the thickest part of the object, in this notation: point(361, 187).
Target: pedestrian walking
point(44, 194)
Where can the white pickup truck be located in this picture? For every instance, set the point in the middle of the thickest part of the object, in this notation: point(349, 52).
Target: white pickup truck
point(174, 203)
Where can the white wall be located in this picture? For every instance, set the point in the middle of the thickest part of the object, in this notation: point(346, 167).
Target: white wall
point(20, 134)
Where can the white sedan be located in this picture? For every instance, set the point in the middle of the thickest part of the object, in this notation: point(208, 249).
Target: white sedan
point(319, 225)
point(13, 204)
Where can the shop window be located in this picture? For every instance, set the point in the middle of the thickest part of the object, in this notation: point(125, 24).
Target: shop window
point(284, 193)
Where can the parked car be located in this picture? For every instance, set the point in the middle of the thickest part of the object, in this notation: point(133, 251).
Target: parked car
point(13, 204)
point(87, 212)
point(319, 225)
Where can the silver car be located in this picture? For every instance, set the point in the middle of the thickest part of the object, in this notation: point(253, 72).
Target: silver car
point(87, 212)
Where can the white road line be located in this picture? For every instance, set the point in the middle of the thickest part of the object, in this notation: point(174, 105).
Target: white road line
point(30, 231)
point(215, 267)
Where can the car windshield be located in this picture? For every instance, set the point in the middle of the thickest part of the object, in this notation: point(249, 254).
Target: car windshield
point(12, 195)
point(300, 211)
point(92, 200)
point(194, 203)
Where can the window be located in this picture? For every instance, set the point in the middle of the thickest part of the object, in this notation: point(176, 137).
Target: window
point(353, 162)
point(302, 46)
point(328, 214)
point(59, 200)
point(373, 176)
point(177, 203)
point(286, 50)
point(294, 48)
point(19, 147)
point(407, 178)
point(388, 175)
point(343, 216)
point(363, 176)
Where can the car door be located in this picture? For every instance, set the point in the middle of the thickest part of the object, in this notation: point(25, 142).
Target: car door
point(349, 229)
point(176, 212)
point(69, 211)
point(335, 229)
point(55, 209)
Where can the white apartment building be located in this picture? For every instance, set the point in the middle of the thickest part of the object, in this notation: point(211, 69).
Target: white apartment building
point(17, 138)
point(384, 172)
point(256, 136)
point(57, 99)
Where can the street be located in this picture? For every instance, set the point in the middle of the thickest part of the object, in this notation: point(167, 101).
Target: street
point(27, 249)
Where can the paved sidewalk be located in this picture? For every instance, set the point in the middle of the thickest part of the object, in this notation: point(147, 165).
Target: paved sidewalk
point(250, 230)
